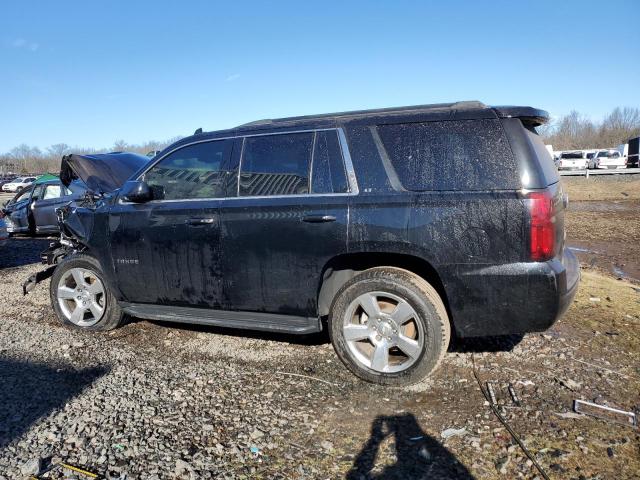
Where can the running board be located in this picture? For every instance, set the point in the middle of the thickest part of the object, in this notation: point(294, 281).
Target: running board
point(268, 322)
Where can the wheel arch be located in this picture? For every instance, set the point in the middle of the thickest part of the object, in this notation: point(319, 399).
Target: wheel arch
point(342, 268)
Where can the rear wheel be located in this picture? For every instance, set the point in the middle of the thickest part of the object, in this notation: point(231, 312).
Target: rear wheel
point(80, 296)
point(389, 326)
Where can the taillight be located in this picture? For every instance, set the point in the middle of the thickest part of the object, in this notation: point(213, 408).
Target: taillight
point(543, 233)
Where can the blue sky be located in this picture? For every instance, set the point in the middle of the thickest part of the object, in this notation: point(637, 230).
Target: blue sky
point(88, 73)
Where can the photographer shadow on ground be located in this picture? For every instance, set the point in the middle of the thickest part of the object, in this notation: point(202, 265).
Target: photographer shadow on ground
point(418, 455)
point(29, 391)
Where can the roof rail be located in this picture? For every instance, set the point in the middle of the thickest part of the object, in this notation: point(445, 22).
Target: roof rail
point(463, 105)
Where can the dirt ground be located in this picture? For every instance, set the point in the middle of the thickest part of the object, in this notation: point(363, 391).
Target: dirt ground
point(603, 223)
point(171, 401)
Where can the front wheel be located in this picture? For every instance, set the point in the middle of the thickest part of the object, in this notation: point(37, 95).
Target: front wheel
point(80, 296)
point(389, 326)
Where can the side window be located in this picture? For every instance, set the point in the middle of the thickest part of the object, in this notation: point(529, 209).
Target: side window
point(450, 155)
point(37, 193)
point(52, 191)
point(328, 173)
point(276, 164)
point(195, 171)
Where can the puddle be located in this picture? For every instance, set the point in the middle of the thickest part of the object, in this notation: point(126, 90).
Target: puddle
point(620, 260)
point(581, 250)
point(618, 271)
point(596, 206)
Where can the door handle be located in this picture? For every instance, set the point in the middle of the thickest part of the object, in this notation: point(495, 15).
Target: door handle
point(200, 221)
point(318, 218)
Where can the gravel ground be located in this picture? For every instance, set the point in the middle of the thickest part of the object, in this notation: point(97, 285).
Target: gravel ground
point(156, 401)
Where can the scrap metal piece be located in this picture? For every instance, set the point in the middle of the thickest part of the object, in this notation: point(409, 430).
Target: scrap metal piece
point(64, 466)
point(605, 413)
point(79, 470)
point(514, 396)
point(492, 394)
point(36, 278)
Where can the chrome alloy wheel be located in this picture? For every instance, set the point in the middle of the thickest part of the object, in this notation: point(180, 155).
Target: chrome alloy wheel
point(81, 297)
point(382, 332)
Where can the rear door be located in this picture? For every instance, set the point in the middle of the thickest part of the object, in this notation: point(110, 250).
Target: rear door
point(287, 220)
point(166, 251)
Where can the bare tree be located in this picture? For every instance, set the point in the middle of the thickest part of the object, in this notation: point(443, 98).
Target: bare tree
point(620, 125)
point(58, 150)
point(24, 155)
point(574, 131)
point(120, 146)
point(27, 159)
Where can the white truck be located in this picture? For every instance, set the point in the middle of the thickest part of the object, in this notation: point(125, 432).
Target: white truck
point(572, 160)
point(609, 158)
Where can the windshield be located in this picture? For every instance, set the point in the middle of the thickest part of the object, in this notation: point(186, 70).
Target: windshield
point(23, 196)
point(572, 155)
point(603, 154)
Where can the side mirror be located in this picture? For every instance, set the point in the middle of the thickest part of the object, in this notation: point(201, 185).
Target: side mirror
point(136, 191)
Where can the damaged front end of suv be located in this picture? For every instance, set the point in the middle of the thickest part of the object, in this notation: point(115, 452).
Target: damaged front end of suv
point(103, 174)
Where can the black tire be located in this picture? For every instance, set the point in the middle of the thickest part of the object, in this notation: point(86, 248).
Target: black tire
point(112, 316)
point(424, 300)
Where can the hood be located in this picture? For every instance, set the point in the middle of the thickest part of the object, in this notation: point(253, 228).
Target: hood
point(101, 172)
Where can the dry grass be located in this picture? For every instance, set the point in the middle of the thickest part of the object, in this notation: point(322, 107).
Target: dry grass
point(617, 187)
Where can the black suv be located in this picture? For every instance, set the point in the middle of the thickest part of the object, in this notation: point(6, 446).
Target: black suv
point(392, 228)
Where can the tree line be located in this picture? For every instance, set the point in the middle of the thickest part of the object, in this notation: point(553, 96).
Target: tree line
point(569, 132)
point(27, 159)
point(575, 131)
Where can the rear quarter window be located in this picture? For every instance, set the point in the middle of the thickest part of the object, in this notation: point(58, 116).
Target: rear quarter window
point(466, 155)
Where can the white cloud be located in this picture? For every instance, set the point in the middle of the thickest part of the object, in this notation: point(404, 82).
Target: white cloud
point(233, 77)
point(22, 43)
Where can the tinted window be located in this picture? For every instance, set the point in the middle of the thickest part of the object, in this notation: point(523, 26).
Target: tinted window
point(195, 171)
point(37, 193)
point(572, 155)
point(328, 173)
point(450, 155)
point(52, 191)
point(276, 164)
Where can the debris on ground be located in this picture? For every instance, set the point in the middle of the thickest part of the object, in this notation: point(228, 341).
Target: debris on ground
point(31, 467)
point(514, 395)
point(453, 432)
point(569, 384)
point(606, 413)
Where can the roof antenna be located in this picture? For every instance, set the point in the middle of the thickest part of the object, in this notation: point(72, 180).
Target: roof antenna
point(198, 131)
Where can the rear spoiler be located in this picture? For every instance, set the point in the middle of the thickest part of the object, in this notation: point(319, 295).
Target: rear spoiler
point(531, 117)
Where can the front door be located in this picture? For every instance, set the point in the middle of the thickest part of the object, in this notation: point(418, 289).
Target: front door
point(288, 220)
point(167, 251)
point(44, 208)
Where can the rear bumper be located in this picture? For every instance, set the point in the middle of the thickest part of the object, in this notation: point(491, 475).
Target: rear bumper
point(570, 269)
point(573, 167)
point(513, 298)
